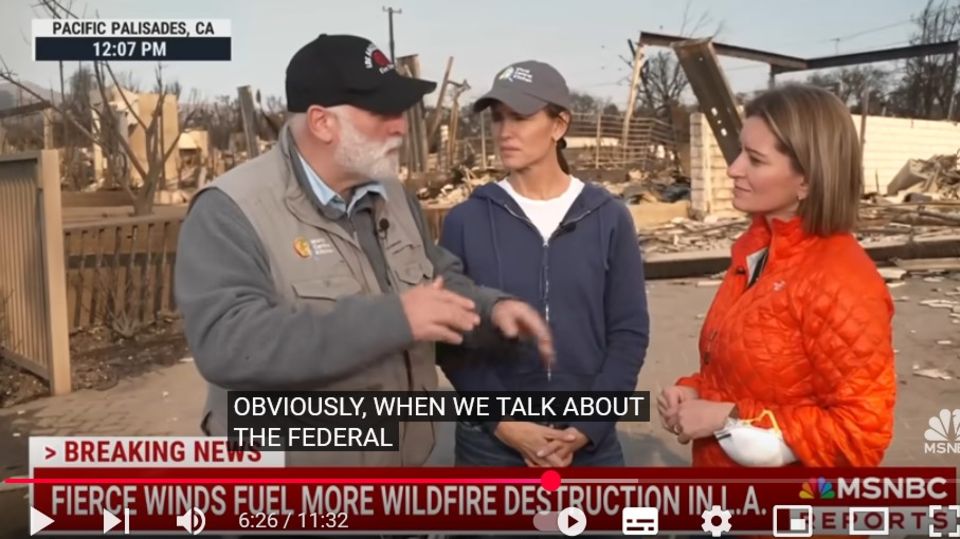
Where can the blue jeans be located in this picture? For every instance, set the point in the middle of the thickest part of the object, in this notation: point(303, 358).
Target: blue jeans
point(475, 446)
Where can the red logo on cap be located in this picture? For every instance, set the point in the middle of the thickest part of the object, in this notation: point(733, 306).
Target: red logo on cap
point(373, 58)
point(380, 59)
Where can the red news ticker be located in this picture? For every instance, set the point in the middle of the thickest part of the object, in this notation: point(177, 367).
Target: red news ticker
point(472, 499)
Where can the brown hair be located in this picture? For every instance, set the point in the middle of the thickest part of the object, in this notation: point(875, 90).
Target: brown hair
point(554, 111)
point(815, 130)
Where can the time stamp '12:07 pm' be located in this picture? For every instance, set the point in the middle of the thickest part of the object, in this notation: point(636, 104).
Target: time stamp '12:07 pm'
point(131, 40)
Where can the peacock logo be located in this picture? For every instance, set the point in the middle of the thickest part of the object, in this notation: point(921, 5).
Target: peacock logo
point(817, 488)
point(943, 434)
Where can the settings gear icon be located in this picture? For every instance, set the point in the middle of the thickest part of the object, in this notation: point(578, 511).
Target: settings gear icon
point(711, 518)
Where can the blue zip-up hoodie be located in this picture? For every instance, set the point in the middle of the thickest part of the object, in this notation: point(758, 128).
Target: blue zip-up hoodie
point(586, 280)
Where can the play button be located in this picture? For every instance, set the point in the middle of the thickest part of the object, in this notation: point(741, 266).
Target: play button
point(38, 521)
point(110, 521)
point(571, 521)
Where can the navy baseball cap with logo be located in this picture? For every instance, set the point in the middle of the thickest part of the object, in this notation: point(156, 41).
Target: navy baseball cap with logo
point(349, 70)
point(526, 87)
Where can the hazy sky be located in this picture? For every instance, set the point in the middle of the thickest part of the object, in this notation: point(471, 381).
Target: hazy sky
point(583, 39)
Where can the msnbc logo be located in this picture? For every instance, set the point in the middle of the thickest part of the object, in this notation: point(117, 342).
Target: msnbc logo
point(823, 490)
point(943, 436)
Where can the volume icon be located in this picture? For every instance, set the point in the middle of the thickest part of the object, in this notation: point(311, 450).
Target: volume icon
point(193, 521)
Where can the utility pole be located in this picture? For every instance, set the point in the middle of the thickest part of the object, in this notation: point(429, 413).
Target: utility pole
point(390, 11)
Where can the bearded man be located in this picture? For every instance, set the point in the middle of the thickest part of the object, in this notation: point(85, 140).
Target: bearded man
point(311, 268)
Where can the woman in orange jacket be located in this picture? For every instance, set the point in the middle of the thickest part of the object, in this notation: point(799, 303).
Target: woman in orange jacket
point(796, 359)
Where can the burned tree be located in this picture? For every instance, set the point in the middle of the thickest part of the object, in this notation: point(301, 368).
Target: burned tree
point(856, 86)
point(105, 129)
point(927, 88)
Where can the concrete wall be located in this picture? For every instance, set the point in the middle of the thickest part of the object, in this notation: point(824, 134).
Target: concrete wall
point(889, 143)
point(711, 191)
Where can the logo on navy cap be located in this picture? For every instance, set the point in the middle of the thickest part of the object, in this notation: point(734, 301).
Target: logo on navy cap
point(375, 59)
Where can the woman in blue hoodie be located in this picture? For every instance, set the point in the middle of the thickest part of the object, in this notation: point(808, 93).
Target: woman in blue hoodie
point(567, 248)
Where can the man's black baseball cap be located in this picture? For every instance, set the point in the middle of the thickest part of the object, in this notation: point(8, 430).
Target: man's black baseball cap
point(349, 70)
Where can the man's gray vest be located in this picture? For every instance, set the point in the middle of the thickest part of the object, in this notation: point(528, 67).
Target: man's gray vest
point(314, 261)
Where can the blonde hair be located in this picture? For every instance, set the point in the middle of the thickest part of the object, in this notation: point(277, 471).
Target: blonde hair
point(815, 130)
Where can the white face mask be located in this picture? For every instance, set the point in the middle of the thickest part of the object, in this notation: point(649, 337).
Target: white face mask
point(752, 446)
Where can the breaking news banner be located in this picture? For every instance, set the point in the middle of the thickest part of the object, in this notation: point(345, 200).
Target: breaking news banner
point(370, 420)
point(142, 485)
point(131, 39)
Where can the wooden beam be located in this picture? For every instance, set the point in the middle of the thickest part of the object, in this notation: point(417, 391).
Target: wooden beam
point(733, 51)
point(596, 150)
point(483, 138)
point(782, 63)
point(454, 124)
point(638, 60)
point(417, 131)
point(249, 116)
point(864, 110)
point(54, 272)
point(710, 86)
point(48, 142)
point(24, 110)
point(433, 122)
point(885, 55)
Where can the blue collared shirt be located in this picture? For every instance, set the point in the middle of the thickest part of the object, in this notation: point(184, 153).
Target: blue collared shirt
point(329, 197)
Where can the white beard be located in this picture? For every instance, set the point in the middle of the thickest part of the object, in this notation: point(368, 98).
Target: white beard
point(364, 157)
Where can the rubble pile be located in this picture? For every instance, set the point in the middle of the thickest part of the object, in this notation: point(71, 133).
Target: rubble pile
point(931, 270)
point(907, 222)
point(456, 189)
point(921, 202)
point(635, 188)
point(924, 180)
point(884, 223)
point(639, 187)
point(680, 235)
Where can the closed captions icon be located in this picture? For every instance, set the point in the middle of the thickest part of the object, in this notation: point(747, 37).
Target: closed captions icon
point(640, 521)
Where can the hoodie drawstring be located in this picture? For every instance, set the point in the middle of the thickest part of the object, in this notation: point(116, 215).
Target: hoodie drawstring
point(603, 243)
point(496, 244)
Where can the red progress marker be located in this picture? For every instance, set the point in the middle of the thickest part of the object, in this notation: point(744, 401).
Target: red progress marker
point(550, 480)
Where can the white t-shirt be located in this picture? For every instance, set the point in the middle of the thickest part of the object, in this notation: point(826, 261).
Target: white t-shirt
point(546, 215)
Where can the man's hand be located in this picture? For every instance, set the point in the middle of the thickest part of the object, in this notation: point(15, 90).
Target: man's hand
point(515, 318)
point(699, 418)
point(530, 438)
point(565, 447)
point(438, 315)
point(668, 403)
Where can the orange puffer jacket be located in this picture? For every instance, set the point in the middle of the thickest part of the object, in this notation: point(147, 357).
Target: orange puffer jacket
point(810, 341)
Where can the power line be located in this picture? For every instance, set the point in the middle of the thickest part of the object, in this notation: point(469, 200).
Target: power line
point(869, 31)
point(866, 31)
point(911, 20)
point(620, 82)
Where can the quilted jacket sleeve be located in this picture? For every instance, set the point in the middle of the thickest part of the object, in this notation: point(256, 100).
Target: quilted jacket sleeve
point(846, 326)
point(692, 381)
